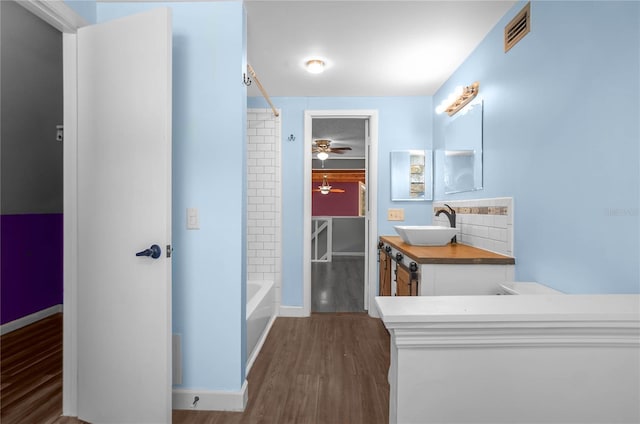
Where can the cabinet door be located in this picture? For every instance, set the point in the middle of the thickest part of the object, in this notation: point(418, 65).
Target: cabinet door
point(385, 275)
point(405, 286)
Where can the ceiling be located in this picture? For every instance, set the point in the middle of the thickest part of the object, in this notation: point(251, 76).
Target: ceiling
point(343, 132)
point(372, 48)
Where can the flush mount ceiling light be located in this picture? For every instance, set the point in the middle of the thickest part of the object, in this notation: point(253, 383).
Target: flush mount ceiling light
point(458, 99)
point(314, 66)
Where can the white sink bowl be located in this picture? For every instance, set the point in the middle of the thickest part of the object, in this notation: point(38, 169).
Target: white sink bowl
point(425, 235)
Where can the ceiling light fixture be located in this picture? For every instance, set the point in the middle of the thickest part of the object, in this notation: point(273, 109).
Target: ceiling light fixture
point(325, 188)
point(315, 66)
point(323, 155)
point(458, 99)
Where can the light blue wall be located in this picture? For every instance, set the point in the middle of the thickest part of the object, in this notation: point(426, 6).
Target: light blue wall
point(403, 123)
point(84, 8)
point(209, 143)
point(561, 135)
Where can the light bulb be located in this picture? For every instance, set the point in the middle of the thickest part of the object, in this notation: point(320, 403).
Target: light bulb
point(323, 155)
point(315, 66)
point(441, 108)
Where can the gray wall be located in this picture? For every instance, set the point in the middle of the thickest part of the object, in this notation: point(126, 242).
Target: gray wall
point(348, 235)
point(31, 105)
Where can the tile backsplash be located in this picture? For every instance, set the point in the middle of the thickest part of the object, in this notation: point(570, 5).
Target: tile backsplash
point(483, 223)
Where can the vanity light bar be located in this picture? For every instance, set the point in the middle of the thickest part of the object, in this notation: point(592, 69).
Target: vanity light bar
point(459, 99)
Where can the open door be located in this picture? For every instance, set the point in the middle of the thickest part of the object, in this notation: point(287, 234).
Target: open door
point(124, 207)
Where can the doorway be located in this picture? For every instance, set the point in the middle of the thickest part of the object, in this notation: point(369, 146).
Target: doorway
point(340, 210)
point(338, 195)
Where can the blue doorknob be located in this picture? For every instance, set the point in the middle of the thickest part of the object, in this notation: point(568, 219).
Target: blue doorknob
point(154, 251)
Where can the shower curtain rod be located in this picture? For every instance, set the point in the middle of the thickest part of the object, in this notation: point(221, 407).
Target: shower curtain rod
point(262, 90)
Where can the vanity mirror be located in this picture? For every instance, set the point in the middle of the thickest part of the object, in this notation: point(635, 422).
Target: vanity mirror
point(463, 150)
point(411, 175)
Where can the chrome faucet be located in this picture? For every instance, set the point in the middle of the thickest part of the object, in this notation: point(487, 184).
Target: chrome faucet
point(451, 214)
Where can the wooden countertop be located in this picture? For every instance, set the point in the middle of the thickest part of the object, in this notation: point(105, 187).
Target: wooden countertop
point(450, 254)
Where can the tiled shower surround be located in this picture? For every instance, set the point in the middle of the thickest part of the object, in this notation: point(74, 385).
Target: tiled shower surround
point(483, 223)
point(263, 197)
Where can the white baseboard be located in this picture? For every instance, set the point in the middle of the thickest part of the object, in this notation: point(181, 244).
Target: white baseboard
point(292, 311)
point(211, 400)
point(373, 310)
point(29, 319)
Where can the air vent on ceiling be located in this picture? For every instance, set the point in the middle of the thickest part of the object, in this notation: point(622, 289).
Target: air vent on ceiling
point(519, 26)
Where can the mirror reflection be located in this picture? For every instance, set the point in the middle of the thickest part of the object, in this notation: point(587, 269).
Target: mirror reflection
point(411, 175)
point(463, 150)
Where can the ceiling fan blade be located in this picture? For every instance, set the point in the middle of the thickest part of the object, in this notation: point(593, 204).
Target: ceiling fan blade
point(339, 148)
point(333, 190)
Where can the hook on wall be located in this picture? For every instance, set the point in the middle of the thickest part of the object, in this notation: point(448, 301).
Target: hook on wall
point(292, 138)
point(246, 80)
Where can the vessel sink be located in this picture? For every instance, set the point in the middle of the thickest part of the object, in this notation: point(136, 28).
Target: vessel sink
point(425, 235)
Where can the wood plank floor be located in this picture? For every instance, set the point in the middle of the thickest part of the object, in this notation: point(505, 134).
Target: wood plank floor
point(325, 369)
point(328, 368)
point(31, 372)
point(338, 286)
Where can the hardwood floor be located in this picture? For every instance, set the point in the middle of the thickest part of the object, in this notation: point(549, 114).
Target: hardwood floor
point(328, 368)
point(31, 367)
point(325, 369)
point(338, 286)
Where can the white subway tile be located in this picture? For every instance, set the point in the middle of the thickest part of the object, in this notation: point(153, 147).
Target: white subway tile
point(500, 221)
point(482, 231)
point(264, 131)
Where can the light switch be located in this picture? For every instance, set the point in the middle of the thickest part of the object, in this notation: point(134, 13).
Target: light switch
point(193, 220)
point(395, 214)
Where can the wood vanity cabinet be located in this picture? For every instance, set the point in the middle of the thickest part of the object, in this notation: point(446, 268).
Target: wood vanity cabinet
point(388, 268)
point(385, 274)
point(404, 285)
point(450, 270)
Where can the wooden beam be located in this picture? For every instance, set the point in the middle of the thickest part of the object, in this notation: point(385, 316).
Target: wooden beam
point(339, 175)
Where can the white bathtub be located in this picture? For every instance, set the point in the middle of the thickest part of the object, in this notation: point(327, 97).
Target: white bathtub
point(260, 316)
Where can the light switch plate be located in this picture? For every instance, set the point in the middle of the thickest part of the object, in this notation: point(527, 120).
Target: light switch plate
point(193, 220)
point(396, 214)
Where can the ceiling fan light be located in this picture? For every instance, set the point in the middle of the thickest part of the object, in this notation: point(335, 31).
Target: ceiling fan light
point(323, 155)
point(315, 66)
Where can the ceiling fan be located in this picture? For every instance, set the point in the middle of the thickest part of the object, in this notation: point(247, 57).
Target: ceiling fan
point(323, 148)
point(325, 188)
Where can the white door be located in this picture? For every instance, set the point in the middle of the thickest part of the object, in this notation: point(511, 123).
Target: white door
point(124, 207)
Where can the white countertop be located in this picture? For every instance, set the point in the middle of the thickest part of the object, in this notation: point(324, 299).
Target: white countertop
point(562, 308)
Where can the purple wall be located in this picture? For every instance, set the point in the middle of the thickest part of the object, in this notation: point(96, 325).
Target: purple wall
point(336, 204)
point(31, 264)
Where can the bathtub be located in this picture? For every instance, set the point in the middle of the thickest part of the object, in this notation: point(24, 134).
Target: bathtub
point(260, 316)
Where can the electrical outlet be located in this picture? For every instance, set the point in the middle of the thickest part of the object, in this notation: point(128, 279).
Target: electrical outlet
point(395, 214)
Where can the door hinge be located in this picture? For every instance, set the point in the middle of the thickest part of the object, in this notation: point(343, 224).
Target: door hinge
point(169, 250)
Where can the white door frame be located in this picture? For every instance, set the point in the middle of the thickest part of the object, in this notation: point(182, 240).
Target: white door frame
point(371, 236)
point(67, 21)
